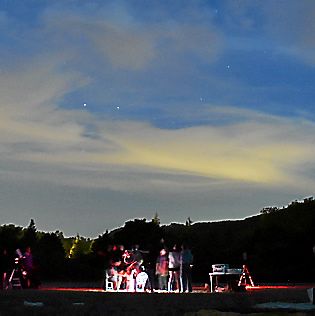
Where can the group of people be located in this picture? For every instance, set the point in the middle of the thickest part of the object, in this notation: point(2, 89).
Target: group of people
point(123, 269)
point(128, 268)
point(173, 269)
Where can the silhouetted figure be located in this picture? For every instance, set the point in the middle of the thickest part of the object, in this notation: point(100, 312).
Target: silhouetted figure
point(149, 261)
point(4, 268)
point(137, 255)
point(186, 260)
point(161, 269)
point(28, 267)
point(173, 269)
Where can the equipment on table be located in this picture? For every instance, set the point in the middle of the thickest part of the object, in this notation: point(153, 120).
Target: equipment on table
point(223, 278)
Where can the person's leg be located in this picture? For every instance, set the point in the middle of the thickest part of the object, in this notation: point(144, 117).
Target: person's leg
point(161, 282)
point(151, 279)
point(160, 278)
point(183, 280)
point(3, 280)
point(170, 281)
point(119, 282)
point(177, 281)
point(189, 279)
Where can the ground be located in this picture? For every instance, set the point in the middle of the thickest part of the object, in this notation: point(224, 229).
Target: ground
point(83, 301)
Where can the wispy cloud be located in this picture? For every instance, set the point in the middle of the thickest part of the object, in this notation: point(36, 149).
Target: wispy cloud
point(248, 145)
point(282, 24)
point(127, 43)
point(251, 147)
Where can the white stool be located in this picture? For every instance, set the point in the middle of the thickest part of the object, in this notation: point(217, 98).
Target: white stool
point(141, 281)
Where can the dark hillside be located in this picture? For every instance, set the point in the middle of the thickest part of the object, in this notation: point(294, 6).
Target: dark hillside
point(277, 245)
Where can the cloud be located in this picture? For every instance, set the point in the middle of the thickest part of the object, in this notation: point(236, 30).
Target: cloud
point(286, 26)
point(3, 20)
point(250, 152)
point(251, 148)
point(209, 169)
point(297, 39)
point(122, 46)
point(29, 103)
point(127, 42)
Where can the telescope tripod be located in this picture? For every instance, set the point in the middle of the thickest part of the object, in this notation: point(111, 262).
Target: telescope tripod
point(14, 281)
point(245, 275)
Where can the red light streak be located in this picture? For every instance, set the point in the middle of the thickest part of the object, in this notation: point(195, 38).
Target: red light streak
point(196, 289)
point(274, 287)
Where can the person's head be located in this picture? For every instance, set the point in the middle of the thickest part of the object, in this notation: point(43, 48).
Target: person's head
point(28, 249)
point(163, 252)
point(185, 246)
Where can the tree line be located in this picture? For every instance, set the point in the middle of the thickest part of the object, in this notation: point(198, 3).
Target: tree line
point(277, 245)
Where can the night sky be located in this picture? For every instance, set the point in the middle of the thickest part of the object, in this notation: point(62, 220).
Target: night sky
point(115, 110)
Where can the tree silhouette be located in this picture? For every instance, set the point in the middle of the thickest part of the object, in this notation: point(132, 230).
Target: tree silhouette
point(100, 244)
point(156, 220)
point(50, 255)
point(30, 236)
point(188, 221)
point(80, 247)
point(10, 237)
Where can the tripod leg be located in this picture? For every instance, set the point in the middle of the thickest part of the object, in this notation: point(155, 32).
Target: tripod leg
point(14, 280)
point(251, 280)
point(241, 279)
point(249, 277)
point(11, 276)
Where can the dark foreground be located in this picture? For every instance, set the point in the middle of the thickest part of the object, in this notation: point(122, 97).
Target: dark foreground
point(75, 302)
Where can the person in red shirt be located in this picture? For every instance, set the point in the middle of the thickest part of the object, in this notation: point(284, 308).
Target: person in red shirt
point(161, 269)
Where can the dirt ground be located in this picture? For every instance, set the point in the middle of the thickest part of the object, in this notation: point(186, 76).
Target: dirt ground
point(75, 302)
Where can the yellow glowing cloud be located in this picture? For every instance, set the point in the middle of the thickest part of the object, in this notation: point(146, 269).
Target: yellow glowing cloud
point(233, 153)
point(208, 152)
point(261, 149)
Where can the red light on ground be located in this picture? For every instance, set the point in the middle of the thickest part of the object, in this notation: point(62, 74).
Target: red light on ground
point(271, 287)
point(76, 289)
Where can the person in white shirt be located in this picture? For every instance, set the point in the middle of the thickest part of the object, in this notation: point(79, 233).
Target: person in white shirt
point(173, 268)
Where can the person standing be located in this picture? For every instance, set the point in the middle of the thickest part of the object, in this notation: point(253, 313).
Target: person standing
point(4, 268)
point(186, 260)
point(162, 269)
point(28, 266)
point(173, 268)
